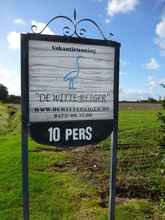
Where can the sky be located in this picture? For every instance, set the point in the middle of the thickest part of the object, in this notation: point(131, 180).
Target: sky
point(139, 25)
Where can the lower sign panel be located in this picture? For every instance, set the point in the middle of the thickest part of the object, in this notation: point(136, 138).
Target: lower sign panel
point(71, 133)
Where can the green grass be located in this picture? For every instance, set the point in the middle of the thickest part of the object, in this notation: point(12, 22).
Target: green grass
point(135, 210)
point(141, 159)
point(60, 189)
point(3, 119)
point(10, 178)
point(53, 195)
point(139, 127)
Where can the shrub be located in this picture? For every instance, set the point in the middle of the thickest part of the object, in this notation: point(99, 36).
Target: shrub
point(161, 118)
point(3, 92)
point(163, 103)
point(13, 99)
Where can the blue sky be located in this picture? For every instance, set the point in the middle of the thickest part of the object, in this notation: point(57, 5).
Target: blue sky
point(138, 24)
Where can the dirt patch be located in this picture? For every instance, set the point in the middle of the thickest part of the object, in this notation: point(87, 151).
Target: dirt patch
point(131, 106)
point(89, 161)
point(137, 191)
point(91, 164)
point(47, 149)
point(63, 167)
point(121, 200)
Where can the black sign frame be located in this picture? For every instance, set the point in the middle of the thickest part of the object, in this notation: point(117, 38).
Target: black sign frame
point(101, 128)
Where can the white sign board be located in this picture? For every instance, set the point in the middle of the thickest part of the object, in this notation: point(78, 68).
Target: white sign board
point(70, 81)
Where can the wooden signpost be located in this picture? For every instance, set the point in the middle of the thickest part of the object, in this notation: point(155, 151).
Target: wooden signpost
point(69, 94)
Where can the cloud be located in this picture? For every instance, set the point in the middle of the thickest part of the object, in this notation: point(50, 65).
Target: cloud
point(162, 81)
point(160, 28)
point(160, 33)
point(121, 6)
point(152, 83)
point(151, 90)
point(19, 21)
point(124, 63)
point(13, 39)
point(133, 94)
point(152, 64)
point(123, 73)
point(107, 20)
point(10, 79)
point(40, 27)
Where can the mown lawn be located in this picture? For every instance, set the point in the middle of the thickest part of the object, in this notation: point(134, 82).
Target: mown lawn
point(70, 184)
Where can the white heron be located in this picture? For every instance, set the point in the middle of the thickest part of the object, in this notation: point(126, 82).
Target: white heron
point(71, 76)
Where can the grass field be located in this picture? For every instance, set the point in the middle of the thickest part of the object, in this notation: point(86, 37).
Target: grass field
point(73, 184)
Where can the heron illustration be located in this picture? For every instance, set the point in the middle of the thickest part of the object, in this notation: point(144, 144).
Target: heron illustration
point(71, 76)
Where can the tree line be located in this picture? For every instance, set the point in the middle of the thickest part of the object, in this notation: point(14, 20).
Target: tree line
point(6, 98)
